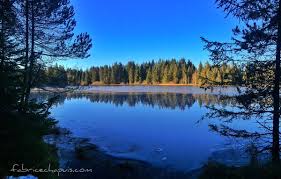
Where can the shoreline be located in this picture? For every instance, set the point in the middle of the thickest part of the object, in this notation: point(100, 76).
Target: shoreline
point(77, 152)
point(160, 84)
point(219, 90)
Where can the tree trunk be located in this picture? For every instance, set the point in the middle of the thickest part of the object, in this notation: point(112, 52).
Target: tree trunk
point(25, 78)
point(2, 43)
point(276, 97)
point(2, 46)
point(32, 55)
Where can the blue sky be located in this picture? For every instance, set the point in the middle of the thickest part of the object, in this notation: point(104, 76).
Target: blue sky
point(142, 30)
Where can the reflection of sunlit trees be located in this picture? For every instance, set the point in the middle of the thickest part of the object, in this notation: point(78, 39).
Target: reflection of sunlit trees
point(161, 100)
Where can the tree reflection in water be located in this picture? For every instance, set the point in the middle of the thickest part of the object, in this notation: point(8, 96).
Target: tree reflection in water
point(161, 100)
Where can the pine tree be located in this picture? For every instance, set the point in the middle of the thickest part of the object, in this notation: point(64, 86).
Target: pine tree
point(137, 77)
point(40, 18)
point(200, 68)
point(149, 76)
point(165, 78)
point(131, 72)
point(156, 74)
point(10, 56)
point(184, 74)
point(256, 43)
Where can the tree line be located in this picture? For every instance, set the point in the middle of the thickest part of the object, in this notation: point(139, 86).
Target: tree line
point(161, 72)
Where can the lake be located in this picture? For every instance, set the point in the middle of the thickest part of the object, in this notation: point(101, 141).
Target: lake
point(160, 125)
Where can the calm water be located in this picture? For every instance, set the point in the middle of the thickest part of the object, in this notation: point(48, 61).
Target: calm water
point(164, 129)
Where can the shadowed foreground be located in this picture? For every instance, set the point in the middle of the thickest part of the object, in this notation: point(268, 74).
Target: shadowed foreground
point(77, 153)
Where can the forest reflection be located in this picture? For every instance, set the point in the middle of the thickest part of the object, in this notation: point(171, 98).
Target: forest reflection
point(161, 100)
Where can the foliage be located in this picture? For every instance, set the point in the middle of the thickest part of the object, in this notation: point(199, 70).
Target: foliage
point(32, 32)
point(161, 72)
point(22, 143)
point(255, 46)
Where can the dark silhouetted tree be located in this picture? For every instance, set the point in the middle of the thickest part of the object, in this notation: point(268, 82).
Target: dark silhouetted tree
point(255, 47)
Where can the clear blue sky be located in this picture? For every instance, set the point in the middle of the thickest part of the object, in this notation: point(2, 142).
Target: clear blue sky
point(142, 30)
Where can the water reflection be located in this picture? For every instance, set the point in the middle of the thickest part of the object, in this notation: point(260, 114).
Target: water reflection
point(137, 125)
point(161, 100)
